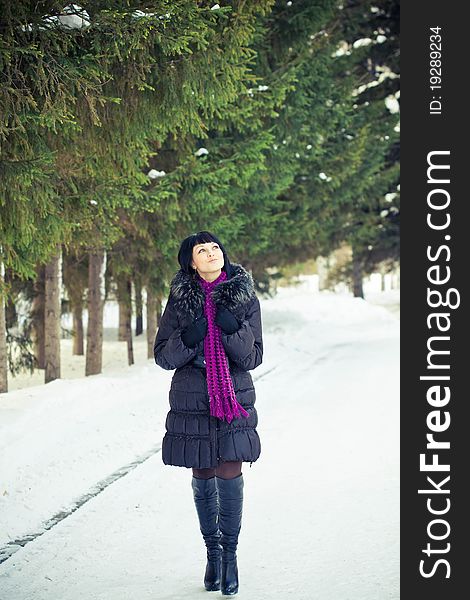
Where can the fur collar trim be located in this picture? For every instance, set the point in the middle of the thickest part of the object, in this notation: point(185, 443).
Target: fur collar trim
point(188, 296)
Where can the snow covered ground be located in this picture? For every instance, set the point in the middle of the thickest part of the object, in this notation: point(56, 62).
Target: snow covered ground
point(81, 474)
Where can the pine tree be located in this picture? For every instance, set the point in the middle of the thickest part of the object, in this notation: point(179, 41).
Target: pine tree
point(367, 182)
point(93, 101)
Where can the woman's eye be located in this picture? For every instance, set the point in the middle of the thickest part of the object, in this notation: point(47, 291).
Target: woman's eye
point(203, 249)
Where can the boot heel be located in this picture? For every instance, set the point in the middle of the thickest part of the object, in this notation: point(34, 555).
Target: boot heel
point(229, 578)
point(212, 574)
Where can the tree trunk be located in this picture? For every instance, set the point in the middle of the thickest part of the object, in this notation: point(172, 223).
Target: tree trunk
point(159, 310)
point(122, 331)
point(130, 349)
point(322, 271)
point(78, 346)
point(11, 315)
point(75, 280)
point(37, 318)
point(52, 319)
point(151, 321)
point(124, 297)
point(94, 346)
point(3, 338)
point(357, 276)
point(139, 321)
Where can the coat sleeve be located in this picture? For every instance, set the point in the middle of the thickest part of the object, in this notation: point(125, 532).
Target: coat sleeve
point(245, 346)
point(169, 350)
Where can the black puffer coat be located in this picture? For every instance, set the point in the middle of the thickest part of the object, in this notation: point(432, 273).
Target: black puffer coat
point(193, 437)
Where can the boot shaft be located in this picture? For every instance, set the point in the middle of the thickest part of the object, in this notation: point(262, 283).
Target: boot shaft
point(206, 500)
point(207, 507)
point(230, 514)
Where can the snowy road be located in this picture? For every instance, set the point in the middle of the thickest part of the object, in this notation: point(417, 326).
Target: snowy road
point(321, 513)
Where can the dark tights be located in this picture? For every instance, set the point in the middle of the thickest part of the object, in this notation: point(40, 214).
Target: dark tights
point(225, 470)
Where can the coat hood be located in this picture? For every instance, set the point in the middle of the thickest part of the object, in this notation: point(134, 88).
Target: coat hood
point(188, 296)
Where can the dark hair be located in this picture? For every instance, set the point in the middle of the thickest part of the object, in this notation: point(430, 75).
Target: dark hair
point(185, 253)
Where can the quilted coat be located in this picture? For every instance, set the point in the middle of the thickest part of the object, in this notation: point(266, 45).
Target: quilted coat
point(193, 437)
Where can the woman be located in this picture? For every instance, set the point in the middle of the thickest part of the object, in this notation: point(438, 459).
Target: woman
point(210, 332)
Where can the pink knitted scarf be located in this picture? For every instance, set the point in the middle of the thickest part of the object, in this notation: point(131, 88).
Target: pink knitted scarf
point(223, 403)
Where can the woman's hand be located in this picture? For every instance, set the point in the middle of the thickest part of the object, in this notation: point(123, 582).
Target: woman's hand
point(196, 332)
point(226, 320)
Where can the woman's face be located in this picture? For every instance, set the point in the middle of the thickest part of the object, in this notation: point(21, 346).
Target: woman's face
point(207, 258)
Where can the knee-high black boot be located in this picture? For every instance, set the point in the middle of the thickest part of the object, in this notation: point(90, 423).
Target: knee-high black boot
point(230, 520)
point(206, 501)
